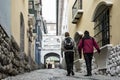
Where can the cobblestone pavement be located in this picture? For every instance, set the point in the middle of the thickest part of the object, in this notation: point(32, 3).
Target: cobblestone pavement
point(57, 74)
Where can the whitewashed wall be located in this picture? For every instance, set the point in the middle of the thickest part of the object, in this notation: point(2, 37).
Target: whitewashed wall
point(51, 44)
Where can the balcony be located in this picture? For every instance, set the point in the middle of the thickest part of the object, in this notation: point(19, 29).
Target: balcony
point(38, 5)
point(77, 11)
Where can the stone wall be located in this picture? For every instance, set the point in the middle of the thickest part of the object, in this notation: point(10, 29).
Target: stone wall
point(11, 62)
point(113, 61)
point(105, 63)
point(108, 62)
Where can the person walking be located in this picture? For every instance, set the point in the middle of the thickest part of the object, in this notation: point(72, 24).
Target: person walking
point(68, 47)
point(87, 44)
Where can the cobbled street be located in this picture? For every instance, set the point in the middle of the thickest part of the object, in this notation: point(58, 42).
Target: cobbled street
point(57, 74)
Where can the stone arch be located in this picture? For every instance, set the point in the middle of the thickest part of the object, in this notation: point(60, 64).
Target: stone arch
point(100, 7)
point(22, 27)
point(51, 54)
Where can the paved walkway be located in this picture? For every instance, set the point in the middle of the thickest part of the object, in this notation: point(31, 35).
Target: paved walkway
point(57, 74)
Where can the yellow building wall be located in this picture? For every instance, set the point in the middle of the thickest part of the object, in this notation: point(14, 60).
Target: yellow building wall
point(85, 22)
point(115, 22)
point(71, 27)
point(17, 7)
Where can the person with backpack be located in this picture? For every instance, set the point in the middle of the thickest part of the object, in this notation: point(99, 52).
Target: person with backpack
point(87, 44)
point(68, 47)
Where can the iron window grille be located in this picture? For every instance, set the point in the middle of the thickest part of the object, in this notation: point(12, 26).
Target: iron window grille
point(102, 28)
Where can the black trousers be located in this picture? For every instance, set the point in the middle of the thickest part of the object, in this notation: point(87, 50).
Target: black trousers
point(88, 60)
point(69, 58)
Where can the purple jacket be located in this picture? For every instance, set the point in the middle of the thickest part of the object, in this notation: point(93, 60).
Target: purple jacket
point(89, 45)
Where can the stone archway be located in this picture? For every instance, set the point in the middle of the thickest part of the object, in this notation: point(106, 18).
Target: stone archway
point(53, 58)
point(100, 7)
point(22, 26)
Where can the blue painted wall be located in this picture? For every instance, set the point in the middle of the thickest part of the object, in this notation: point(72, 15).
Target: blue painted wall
point(5, 7)
point(38, 39)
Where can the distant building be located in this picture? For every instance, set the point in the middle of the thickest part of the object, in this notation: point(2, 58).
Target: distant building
point(51, 27)
point(39, 28)
point(51, 49)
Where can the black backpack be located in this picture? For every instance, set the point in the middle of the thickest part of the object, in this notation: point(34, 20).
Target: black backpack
point(68, 43)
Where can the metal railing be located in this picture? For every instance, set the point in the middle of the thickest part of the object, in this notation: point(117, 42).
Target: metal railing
point(76, 6)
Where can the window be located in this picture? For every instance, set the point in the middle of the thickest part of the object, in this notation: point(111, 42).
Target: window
point(76, 6)
point(30, 5)
point(102, 28)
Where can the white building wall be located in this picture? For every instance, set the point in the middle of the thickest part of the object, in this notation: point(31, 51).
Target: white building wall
point(51, 44)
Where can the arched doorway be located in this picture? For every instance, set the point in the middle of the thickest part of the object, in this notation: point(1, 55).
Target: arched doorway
point(22, 26)
point(101, 19)
point(53, 59)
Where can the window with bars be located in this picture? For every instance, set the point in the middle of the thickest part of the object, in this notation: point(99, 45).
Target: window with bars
point(102, 28)
point(30, 5)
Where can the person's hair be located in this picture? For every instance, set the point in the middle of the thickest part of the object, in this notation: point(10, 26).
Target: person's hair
point(86, 32)
point(67, 34)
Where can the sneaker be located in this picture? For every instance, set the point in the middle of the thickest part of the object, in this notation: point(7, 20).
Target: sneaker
point(88, 75)
point(68, 75)
point(73, 73)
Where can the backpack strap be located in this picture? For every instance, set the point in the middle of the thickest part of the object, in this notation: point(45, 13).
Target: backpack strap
point(83, 42)
point(93, 40)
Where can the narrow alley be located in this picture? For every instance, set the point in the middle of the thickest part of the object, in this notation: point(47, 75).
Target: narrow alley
point(57, 74)
point(34, 44)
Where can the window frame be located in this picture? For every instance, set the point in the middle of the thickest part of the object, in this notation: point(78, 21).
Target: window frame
point(102, 27)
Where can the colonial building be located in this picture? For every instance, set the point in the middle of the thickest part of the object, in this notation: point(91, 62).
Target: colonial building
point(38, 28)
point(100, 18)
point(14, 39)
